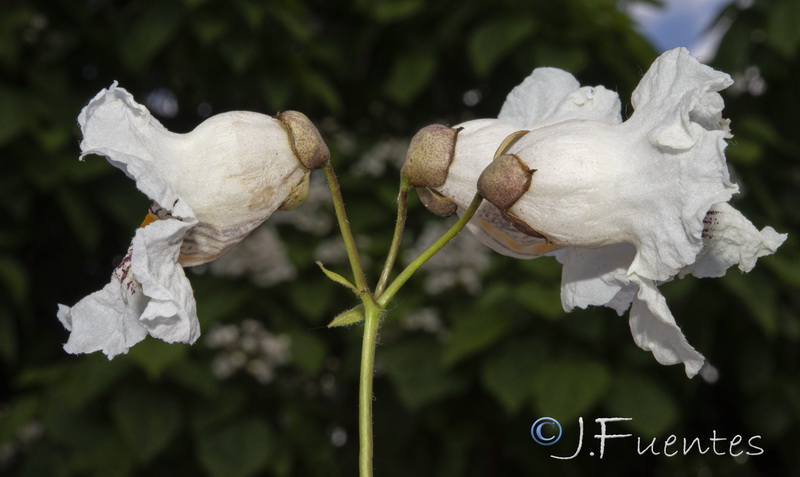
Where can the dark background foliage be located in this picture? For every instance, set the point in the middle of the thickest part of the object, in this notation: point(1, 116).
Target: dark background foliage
point(459, 384)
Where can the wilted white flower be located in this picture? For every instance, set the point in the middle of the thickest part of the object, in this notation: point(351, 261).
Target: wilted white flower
point(625, 206)
point(210, 188)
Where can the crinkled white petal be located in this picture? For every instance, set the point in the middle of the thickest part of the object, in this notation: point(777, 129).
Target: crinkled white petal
point(148, 294)
point(597, 276)
point(550, 96)
point(730, 239)
point(598, 184)
point(171, 313)
point(230, 173)
point(631, 204)
point(600, 277)
point(131, 139)
point(211, 187)
point(107, 320)
point(654, 329)
point(676, 100)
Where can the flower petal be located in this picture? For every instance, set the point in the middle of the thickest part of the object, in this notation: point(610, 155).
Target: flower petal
point(230, 173)
point(597, 184)
point(677, 98)
point(730, 239)
point(107, 320)
point(654, 329)
point(114, 125)
point(597, 276)
point(170, 313)
point(551, 95)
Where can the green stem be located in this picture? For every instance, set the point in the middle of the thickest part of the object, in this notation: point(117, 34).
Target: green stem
point(402, 202)
point(344, 226)
point(403, 277)
point(372, 321)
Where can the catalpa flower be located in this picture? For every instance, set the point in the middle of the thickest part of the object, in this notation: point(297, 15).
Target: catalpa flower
point(624, 205)
point(210, 188)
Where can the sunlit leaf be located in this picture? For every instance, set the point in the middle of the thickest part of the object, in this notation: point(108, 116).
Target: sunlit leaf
point(493, 40)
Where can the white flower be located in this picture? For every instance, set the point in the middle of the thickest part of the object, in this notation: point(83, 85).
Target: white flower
point(210, 188)
point(624, 206)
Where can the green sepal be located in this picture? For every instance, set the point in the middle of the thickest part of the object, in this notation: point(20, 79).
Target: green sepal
point(349, 317)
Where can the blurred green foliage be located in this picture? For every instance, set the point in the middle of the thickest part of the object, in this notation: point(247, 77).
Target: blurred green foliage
point(463, 370)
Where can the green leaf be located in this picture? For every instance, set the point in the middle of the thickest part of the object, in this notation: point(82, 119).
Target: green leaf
point(155, 356)
point(473, 332)
point(17, 413)
point(566, 389)
point(760, 298)
point(228, 403)
point(149, 34)
point(414, 366)
point(9, 347)
point(240, 449)
point(209, 28)
point(91, 444)
point(85, 225)
point(744, 151)
point(320, 87)
point(15, 115)
point(218, 299)
point(410, 74)
point(543, 300)
point(559, 56)
point(93, 376)
point(276, 90)
point(148, 420)
point(507, 372)
point(313, 298)
point(308, 351)
point(385, 11)
point(495, 39)
point(647, 402)
point(349, 317)
point(785, 268)
point(782, 31)
point(14, 278)
point(240, 52)
point(769, 415)
point(195, 376)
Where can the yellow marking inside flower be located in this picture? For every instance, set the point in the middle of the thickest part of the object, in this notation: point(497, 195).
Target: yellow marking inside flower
point(508, 242)
point(508, 142)
point(149, 219)
point(192, 260)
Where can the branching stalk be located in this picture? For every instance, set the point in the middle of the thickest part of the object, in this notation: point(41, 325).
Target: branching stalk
point(403, 277)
